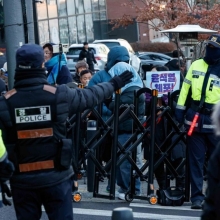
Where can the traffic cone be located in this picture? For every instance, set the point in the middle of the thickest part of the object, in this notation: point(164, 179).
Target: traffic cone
point(122, 214)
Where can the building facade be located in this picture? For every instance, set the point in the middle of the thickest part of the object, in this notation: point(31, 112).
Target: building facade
point(76, 21)
point(69, 21)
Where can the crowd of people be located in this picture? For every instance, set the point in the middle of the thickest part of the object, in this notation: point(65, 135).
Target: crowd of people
point(54, 92)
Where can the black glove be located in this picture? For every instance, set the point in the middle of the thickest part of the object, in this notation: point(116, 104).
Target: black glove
point(121, 80)
point(5, 190)
point(6, 169)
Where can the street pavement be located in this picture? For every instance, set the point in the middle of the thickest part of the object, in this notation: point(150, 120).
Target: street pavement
point(90, 208)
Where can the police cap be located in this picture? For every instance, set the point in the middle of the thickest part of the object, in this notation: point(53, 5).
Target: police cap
point(29, 56)
point(214, 40)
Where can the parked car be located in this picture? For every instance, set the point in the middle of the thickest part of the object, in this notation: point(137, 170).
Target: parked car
point(150, 59)
point(100, 52)
point(134, 60)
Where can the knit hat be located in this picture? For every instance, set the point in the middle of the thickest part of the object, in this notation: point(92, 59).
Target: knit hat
point(81, 63)
point(29, 56)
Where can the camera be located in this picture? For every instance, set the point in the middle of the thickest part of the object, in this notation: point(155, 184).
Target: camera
point(60, 48)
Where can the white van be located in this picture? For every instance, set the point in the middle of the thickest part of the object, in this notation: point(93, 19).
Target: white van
point(134, 60)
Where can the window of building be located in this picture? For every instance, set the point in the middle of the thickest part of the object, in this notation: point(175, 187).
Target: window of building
point(81, 29)
point(95, 5)
point(77, 6)
point(64, 37)
point(89, 27)
point(102, 5)
point(52, 8)
point(43, 32)
point(42, 10)
point(54, 31)
point(71, 7)
point(103, 15)
point(62, 11)
point(72, 30)
point(80, 7)
point(69, 21)
point(96, 16)
point(87, 6)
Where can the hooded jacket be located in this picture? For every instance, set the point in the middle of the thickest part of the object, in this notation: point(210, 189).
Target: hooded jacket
point(116, 54)
point(127, 95)
point(115, 67)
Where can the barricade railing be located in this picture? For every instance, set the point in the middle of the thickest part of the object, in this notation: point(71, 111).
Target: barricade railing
point(127, 151)
point(164, 150)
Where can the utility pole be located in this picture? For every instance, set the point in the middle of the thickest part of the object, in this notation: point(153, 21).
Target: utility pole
point(36, 35)
point(14, 34)
point(30, 20)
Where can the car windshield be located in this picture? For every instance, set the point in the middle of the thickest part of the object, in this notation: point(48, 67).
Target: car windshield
point(76, 50)
point(110, 44)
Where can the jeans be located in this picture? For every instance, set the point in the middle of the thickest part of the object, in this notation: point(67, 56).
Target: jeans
point(123, 172)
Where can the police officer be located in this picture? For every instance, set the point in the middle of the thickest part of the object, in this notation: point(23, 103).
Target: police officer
point(202, 141)
point(34, 114)
point(6, 171)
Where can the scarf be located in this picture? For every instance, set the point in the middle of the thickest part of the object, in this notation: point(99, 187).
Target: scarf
point(53, 65)
point(27, 77)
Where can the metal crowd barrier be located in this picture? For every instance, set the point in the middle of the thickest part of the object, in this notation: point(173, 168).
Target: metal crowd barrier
point(99, 130)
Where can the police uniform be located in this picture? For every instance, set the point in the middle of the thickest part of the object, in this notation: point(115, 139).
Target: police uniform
point(202, 142)
point(6, 171)
point(33, 117)
point(3, 155)
point(3, 152)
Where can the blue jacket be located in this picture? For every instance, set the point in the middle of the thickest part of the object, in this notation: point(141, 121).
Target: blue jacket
point(114, 68)
point(117, 53)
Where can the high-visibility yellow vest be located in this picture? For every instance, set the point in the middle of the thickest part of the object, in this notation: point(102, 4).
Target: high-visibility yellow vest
point(194, 79)
point(3, 152)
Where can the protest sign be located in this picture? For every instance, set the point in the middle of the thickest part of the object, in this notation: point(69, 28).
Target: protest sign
point(163, 81)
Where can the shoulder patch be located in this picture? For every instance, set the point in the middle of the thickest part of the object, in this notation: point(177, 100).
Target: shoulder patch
point(10, 93)
point(50, 89)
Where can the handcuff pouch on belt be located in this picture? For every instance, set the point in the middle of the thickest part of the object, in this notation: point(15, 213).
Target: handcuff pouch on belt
point(65, 153)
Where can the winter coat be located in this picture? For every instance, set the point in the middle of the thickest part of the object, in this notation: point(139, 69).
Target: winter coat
point(65, 103)
point(88, 54)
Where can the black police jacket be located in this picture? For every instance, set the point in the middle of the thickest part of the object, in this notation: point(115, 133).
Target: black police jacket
point(33, 117)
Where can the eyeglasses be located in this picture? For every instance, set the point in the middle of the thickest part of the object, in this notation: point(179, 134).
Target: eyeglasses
point(47, 53)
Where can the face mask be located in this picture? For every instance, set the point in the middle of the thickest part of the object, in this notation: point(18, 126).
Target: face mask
point(212, 54)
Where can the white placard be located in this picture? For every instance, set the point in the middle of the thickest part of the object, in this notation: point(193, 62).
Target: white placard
point(163, 81)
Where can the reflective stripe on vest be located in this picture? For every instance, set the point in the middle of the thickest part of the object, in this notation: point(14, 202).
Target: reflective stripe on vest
point(3, 152)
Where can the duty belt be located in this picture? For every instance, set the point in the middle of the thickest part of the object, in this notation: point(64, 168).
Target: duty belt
point(205, 111)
